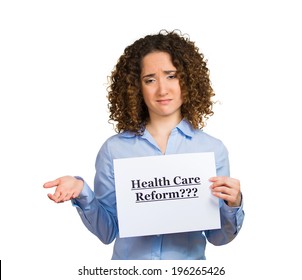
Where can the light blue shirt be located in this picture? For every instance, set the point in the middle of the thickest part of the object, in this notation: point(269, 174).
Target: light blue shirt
point(98, 209)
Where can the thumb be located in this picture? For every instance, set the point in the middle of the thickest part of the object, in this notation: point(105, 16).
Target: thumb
point(51, 184)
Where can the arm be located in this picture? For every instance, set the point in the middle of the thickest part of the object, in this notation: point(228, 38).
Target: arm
point(231, 223)
point(230, 200)
point(97, 209)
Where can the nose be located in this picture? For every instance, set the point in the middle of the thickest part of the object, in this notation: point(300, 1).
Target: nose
point(162, 87)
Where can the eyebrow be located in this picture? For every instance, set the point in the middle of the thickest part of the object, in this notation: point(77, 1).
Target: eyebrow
point(153, 74)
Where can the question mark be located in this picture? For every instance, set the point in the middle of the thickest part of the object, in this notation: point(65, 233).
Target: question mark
point(189, 191)
point(182, 192)
point(195, 191)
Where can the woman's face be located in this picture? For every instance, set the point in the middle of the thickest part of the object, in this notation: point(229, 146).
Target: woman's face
point(160, 86)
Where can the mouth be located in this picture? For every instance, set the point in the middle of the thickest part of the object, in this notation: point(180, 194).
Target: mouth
point(163, 101)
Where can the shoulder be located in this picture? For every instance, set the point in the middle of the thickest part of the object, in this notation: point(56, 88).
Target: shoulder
point(119, 145)
point(187, 129)
point(213, 144)
point(205, 138)
point(119, 138)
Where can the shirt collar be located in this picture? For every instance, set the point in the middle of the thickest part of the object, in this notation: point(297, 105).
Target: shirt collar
point(127, 134)
point(184, 127)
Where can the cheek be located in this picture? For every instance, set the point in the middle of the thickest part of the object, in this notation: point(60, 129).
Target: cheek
point(147, 94)
point(181, 98)
point(177, 90)
point(146, 97)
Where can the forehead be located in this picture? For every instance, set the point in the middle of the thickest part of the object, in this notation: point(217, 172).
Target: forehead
point(157, 60)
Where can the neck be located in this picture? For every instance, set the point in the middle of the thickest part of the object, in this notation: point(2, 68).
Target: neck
point(163, 126)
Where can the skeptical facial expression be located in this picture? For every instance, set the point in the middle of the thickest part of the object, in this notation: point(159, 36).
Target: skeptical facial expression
point(160, 86)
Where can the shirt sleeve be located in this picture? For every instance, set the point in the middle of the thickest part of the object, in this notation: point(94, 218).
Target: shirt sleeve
point(98, 209)
point(231, 217)
point(231, 222)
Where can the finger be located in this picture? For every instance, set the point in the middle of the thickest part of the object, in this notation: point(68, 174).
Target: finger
point(223, 196)
point(57, 196)
point(52, 184)
point(231, 196)
point(233, 201)
point(52, 197)
point(57, 199)
point(222, 189)
point(75, 195)
point(219, 180)
point(227, 182)
point(214, 179)
point(67, 197)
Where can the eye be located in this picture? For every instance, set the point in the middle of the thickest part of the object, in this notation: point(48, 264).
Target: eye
point(149, 81)
point(171, 76)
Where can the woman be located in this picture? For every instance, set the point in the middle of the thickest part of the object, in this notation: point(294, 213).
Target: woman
point(159, 96)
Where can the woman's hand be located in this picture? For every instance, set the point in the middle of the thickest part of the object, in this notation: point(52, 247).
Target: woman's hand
point(227, 189)
point(67, 188)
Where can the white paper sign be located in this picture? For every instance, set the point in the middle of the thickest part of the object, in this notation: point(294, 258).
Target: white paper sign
point(165, 194)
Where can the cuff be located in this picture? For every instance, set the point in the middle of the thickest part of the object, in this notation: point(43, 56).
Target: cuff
point(232, 212)
point(85, 198)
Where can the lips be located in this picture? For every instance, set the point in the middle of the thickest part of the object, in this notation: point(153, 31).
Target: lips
point(164, 101)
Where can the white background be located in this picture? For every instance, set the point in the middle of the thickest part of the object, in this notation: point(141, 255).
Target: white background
point(54, 60)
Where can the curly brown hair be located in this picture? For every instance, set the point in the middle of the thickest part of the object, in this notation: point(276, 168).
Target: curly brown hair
point(126, 103)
